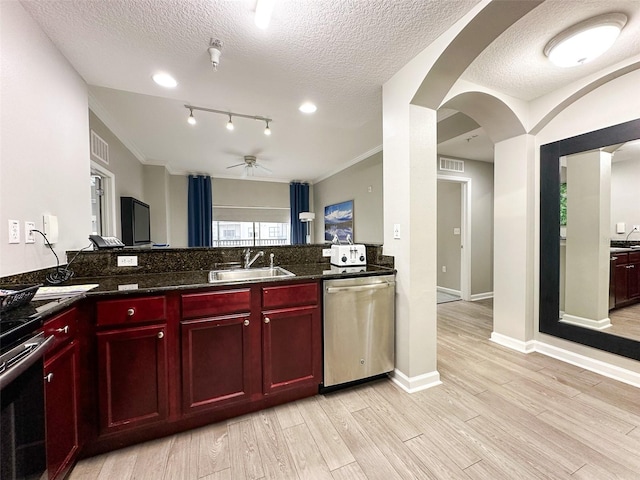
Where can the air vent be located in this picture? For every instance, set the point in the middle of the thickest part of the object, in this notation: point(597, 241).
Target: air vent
point(451, 165)
point(99, 148)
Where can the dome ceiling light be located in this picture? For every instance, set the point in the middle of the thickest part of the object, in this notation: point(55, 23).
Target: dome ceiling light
point(586, 40)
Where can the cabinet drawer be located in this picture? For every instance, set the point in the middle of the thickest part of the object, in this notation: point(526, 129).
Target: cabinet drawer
point(290, 295)
point(222, 302)
point(63, 328)
point(131, 310)
point(621, 258)
point(634, 257)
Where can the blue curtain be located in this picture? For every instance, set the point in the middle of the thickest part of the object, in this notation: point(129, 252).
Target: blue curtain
point(200, 208)
point(298, 202)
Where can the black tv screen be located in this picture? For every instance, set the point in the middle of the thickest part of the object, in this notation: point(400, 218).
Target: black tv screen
point(136, 222)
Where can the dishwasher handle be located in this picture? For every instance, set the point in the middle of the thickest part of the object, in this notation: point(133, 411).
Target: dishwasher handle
point(360, 288)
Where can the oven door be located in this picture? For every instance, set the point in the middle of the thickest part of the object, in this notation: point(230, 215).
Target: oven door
point(22, 427)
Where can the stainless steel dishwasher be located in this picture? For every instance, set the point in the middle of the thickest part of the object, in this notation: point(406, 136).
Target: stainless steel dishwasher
point(359, 328)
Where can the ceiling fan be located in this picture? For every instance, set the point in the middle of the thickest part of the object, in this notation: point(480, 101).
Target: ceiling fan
point(250, 165)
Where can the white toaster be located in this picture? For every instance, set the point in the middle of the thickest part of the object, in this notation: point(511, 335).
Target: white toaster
point(348, 255)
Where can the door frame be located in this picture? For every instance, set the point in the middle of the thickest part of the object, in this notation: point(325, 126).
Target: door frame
point(465, 235)
point(109, 187)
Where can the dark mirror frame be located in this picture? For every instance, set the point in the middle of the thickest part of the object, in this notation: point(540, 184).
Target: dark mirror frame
point(550, 238)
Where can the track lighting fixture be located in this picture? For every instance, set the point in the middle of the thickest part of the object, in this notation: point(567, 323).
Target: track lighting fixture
point(230, 125)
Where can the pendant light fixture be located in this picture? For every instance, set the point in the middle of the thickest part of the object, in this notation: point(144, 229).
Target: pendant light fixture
point(585, 41)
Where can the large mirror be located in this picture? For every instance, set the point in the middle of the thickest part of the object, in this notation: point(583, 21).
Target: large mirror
point(589, 266)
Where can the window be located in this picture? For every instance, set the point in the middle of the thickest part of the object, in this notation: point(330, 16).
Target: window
point(250, 234)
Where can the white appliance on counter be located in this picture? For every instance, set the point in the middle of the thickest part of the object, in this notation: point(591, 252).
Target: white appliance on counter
point(348, 255)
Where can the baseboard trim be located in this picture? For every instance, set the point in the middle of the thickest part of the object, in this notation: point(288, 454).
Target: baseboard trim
point(450, 291)
point(481, 296)
point(417, 383)
point(586, 322)
point(512, 343)
point(593, 365)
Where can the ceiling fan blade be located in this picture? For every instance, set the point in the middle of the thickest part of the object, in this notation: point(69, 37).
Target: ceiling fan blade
point(245, 171)
point(238, 165)
point(264, 168)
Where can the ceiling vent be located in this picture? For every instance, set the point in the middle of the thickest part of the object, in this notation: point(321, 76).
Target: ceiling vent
point(99, 148)
point(451, 165)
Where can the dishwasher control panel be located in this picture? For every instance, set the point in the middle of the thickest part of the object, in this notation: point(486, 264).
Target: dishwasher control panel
point(348, 255)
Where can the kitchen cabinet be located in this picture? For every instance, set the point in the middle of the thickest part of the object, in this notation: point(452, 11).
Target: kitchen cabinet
point(626, 278)
point(217, 351)
point(62, 386)
point(291, 337)
point(132, 363)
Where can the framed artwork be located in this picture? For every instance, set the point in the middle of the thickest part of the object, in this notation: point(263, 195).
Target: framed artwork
point(338, 221)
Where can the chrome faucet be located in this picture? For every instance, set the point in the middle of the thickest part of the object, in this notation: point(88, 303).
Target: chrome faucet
point(271, 260)
point(248, 261)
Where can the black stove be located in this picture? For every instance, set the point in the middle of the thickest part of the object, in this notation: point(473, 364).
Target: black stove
point(23, 322)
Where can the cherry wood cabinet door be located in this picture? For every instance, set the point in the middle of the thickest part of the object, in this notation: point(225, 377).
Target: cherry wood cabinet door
point(216, 361)
point(61, 397)
point(132, 377)
point(622, 284)
point(633, 281)
point(291, 348)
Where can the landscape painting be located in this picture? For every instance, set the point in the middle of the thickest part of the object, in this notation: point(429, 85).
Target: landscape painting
point(338, 221)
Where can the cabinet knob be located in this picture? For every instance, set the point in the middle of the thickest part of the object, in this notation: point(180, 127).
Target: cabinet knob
point(64, 329)
point(161, 334)
point(246, 323)
point(266, 320)
point(131, 311)
point(49, 377)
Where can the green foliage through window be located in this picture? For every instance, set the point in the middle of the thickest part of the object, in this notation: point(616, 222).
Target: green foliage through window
point(563, 204)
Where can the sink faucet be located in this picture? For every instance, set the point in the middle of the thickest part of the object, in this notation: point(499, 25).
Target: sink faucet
point(248, 261)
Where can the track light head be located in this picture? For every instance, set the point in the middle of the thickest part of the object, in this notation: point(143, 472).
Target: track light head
point(230, 124)
point(191, 120)
point(267, 130)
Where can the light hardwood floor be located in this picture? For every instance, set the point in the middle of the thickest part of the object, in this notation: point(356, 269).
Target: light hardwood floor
point(498, 415)
point(625, 322)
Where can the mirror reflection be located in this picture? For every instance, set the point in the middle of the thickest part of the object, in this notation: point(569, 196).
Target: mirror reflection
point(600, 239)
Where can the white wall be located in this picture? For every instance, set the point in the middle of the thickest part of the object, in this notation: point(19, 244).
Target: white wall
point(127, 169)
point(625, 197)
point(354, 183)
point(44, 160)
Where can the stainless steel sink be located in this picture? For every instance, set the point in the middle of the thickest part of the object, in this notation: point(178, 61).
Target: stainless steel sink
point(240, 274)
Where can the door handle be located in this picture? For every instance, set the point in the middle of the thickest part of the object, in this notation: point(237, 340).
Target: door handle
point(360, 288)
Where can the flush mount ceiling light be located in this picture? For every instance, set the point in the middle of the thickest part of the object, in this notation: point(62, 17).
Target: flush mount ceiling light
point(263, 13)
point(165, 80)
point(230, 126)
point(307, 107)
point(215, 50)
point(586, 40)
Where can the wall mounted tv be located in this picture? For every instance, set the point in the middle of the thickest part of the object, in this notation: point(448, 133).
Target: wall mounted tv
point(136, 222)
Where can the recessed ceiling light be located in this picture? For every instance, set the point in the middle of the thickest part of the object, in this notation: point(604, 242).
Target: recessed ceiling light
point(307, 107)
point(165, 80)
point(585, 41)
point(263, 13)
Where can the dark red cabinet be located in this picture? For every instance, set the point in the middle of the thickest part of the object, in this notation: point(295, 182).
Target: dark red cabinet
point(626, 278)
point(132, 377)
point(291, 356)
point(216, 362)
point(61, 396)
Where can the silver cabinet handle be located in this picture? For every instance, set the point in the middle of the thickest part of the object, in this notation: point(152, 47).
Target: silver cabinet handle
point(49, 377)
point(360, 288)
point(160, 334)
point(131, 311)
point(266, 320)
point(64, 329)
point(246, 323)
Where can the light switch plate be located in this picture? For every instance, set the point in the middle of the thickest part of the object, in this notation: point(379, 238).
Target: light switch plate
point(456, 231)
point(396, 230)
point(326, 252)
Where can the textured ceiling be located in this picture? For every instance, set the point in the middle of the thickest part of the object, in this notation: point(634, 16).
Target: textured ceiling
point(334, 53)
point(515, 63)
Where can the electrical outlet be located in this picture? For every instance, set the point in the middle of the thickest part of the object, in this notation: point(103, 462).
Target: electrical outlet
point(29, 236)
point(444, 269)
point(326, 252)
point(127, 260)
point(14, 231)
point(396, 230)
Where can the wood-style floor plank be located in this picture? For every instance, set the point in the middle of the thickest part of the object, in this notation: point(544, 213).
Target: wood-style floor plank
point(499, 415)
